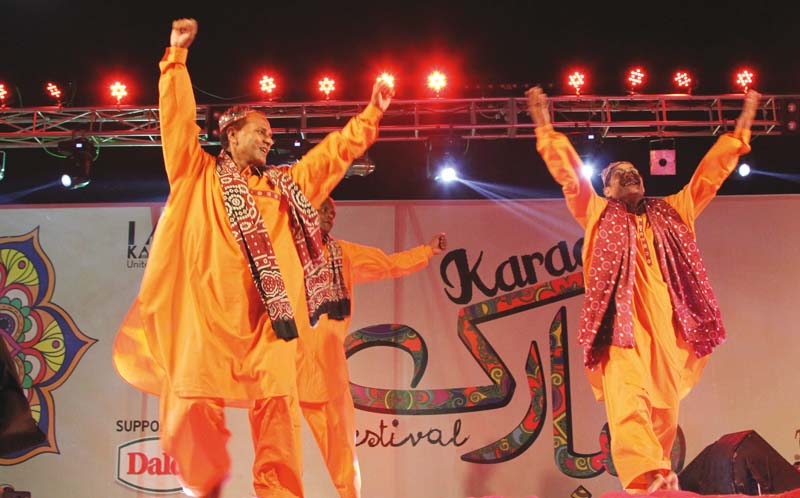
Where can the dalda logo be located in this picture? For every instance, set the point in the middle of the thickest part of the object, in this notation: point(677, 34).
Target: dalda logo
point(138, 249)
point(142, 465)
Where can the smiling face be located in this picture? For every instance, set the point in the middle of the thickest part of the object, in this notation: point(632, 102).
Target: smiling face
point(624, 183)
point(250, 144)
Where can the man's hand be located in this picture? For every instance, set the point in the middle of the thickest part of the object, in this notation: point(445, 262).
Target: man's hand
point(751, 99)
point(183, 33)
point(537, 106)
point(382, 94)
point(438, 243)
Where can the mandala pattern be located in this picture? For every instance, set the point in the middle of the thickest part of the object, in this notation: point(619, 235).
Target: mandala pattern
point(44, 343)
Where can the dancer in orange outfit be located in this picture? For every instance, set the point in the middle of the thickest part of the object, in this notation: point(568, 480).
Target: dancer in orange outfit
point(650, 318)
point(237, 271)
point(323, 380)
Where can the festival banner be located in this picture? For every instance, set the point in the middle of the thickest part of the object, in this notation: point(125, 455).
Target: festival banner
point(466, 375)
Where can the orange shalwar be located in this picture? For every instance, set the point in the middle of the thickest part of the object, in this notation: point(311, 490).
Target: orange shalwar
point(323, 379)
point(198, 334)
point(642, 386)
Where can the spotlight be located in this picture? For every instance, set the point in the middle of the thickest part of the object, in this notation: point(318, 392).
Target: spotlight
point(289, 149)
point(54, 92)
point(445, 154)
point(119, 91)
point(447, 174)
point(744, 79)
point(635, 79)
point(267, 85)
point(212, 123)
point(789, 113)
point(577, 80)
point(683, 81)
point(81, 153)
point(327, 86)
point(437, 81)
point(362, 166)
point(587, 170)
point(744, 170)
point(388, 78)
point(3, 95)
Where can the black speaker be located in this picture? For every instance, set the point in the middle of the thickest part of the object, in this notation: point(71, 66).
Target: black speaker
point(739, 463)
point(18, 430)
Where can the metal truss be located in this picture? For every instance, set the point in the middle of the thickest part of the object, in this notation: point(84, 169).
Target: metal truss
point(669, 115)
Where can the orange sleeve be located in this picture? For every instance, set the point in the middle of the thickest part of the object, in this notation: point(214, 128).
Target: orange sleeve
point(183, 157)
point(369, 264)
point(564, 165)
point(718, 163)
point(320, 170)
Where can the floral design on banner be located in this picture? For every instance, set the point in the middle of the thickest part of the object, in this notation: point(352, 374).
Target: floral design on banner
point(44, 343)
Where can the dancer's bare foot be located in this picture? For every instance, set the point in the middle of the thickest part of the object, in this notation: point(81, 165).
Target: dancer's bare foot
point(672, 481)
point(658, 482)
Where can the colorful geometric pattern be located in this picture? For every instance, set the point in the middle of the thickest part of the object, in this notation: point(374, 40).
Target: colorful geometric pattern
point(528, 430)
point(44, 343)
point(431, 401)
point(398, 336)
point(579, 465)
point(498, 394)
point(460, 399)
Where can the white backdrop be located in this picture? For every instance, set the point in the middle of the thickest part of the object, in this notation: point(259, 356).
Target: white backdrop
point(749, 245)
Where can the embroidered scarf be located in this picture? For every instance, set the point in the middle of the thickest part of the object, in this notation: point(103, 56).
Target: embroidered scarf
point(607, 314)
point(250, 232)
point(339, 307)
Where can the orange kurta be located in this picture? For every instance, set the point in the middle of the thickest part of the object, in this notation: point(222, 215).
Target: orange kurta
point(198, 322)
point(323, 380)
point(662, 365)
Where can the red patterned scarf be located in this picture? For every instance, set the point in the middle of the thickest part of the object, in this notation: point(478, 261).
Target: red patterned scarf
point(339, 307)
point(251, 234)
point(607, 315)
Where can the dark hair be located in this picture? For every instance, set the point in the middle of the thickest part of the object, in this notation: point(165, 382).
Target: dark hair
point(223, 135)
point(238, 124)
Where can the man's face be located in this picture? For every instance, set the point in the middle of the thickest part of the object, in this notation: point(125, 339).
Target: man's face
point(252, 142)
point(624, 184)
point(327, 215)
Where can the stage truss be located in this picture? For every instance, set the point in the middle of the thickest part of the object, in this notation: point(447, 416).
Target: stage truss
point(669, 115)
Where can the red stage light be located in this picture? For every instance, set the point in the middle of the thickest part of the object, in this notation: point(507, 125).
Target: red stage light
point(437, 81)
point(327, 86)
point(745, 79)
point(3, 94)
point(683, 80)
point(54, 91)
point(388, 78)
point(267, 84)
point(119, 91)
point(635, 78)
point(577, 80)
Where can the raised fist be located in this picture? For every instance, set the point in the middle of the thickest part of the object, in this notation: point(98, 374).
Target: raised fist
point(183, 33)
